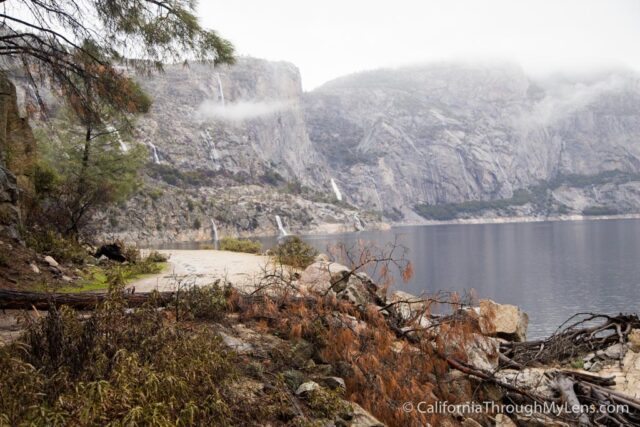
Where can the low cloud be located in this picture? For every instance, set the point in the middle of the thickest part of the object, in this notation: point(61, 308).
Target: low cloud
point(239, 111)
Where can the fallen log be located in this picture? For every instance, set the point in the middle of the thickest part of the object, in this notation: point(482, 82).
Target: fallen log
point(591, 333)
point(10, 299)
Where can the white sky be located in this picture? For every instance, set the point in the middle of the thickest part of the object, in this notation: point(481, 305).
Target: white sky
point(330, 38)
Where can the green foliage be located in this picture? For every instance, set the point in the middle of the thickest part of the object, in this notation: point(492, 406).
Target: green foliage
point(599, 211)
point(295, 252)
point(115, 368)
point(203, 302)
point(577, 364)
point(196, 224)
point(74, 180)
point(240, 245)
point(272, 177)
point(155, 256)
point(326, 403)
point(62, 249)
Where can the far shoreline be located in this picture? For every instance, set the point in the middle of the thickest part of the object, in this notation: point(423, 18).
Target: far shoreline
point(382, 227)
point(517, 220)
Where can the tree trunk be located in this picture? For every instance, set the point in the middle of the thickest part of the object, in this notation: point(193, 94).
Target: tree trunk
point(83, 300)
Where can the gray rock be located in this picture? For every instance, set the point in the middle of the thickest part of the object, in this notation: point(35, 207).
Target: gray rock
point(52, 262)
point(322, 258)
point(236, 344)
point(307, 387)
point(615, 351)
point(362, 418)
point(34, 268)
point(596, 367)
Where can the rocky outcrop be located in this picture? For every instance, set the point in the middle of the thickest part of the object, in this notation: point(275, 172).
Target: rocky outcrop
point(17, 146)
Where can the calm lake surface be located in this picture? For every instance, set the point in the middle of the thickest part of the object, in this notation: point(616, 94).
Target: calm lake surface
point(550, 269)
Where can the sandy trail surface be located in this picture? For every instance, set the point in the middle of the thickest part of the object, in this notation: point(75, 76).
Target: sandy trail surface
point(202, 267)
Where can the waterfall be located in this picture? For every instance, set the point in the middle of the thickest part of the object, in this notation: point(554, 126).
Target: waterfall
point(214, 236)
point(220, 92)
point(357, 222)
point(154, 151)
point(123, 146)
point(375, 188)
point(213, 152)
point(282, 231)
point(336, 190)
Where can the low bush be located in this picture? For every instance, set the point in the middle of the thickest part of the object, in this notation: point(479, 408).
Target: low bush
point(60, 248)
point(240, 245)
point(203, 302)
point(295, 252)
point(155, 256)
point(116, 368)
point(599, 211)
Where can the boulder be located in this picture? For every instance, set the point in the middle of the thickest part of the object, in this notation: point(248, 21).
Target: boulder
point(34, 268)
point(112, 251)
point(236, 344)
point(322, 258)
point(483, 352)
point(321, 274)
point(52, 262)
point(503, 321)
point(306, 388)
point(615, 351)
point(361, 418)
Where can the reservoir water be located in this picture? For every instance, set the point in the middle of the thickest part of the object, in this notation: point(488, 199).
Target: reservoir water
point(552, 270)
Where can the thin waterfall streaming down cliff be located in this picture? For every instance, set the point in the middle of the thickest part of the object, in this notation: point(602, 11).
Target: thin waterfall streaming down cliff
point(214, 235)
point(123, 146)
point(154, 152)
point(220, 92)
point(375, 189)
point(211, 147)
point(357, 222)
point(336, 190)
point(281, 230)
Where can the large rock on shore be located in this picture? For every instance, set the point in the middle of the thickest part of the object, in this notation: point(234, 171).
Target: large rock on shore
point(503, 321)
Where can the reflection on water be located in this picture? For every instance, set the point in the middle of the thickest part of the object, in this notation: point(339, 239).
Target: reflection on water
point(550, 269)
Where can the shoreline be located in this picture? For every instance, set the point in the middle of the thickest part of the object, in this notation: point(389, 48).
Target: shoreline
point(380, 226)
point(517, 220)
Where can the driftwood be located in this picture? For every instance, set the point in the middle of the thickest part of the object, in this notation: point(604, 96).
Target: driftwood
point(581, 334)
point(591, 332)
point(83, 301)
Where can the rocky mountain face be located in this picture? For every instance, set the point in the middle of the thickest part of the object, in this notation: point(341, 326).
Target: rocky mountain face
point(239, 145)
point(229, 146)
point(453, 133)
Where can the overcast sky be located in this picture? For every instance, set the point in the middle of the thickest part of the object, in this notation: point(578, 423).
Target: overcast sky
point(330, 38)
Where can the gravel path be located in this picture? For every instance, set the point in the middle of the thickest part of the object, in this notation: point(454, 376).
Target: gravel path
point(201, 267)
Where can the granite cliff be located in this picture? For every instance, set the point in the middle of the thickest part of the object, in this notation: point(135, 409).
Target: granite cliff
point(239, 145)
point(451, 134)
